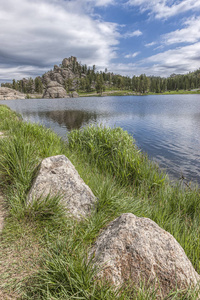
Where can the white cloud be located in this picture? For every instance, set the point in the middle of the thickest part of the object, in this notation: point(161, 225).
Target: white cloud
point(150, 44)
point(132, 34)
point(159, 47)
point(180, 61)
point(37, 34)
point(132, 55)
point(103, 2)
point(166, 8)
point(189, 34)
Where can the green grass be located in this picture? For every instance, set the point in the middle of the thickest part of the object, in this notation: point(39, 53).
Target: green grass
point(179, 92)
point(107, 92)
point(50, 250)
point(114, 150)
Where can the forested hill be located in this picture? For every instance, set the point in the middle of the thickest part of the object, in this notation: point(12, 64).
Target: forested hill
point(73, 76)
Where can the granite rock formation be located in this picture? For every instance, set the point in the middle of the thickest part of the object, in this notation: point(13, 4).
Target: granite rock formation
point(55, 90)
point(65, 76)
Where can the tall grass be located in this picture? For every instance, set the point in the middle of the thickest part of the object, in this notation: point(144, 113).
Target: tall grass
point(122, 178)
point(114, 151)
point(21, 151)
point(146, 190)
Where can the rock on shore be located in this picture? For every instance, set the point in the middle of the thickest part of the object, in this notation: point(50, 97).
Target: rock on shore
point(136, 249)
point(10, 94)
point(57, 175)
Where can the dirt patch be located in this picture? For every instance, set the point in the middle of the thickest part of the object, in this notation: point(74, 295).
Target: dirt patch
point(2, 135)
point(19, 259)
point(19, 254)
point(2, 211)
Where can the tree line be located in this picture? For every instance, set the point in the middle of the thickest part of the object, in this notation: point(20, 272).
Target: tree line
point(87, 79)
point(139, 84)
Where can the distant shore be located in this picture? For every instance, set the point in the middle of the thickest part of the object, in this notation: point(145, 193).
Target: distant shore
point(131, 93)
point(11, 94)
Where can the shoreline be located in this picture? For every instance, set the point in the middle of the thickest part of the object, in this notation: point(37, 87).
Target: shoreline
point(129, 93)
point(104, 94)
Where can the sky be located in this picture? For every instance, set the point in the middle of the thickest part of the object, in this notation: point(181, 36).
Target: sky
point(128, 37)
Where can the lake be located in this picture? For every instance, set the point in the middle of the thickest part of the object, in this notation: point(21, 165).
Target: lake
point(166, 127)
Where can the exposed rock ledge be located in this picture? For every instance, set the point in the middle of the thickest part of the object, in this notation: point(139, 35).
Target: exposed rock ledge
point(10, 94)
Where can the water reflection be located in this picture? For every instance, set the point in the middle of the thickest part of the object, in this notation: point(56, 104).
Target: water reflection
point(72, 119)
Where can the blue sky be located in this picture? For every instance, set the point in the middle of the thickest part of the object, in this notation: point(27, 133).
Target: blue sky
point(128, 37)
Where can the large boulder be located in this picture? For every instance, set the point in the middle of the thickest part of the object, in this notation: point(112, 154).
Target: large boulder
point(55, 90)
point(134, 249)
point(10, 94)
point(57, 175)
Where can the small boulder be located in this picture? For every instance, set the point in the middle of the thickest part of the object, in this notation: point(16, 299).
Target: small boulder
point(74, 94)
point(57, 175)
point(136, 249)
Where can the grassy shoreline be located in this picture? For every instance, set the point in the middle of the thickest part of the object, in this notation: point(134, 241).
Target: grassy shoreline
point(131, 93)
point(120, 93)
point(48, 252)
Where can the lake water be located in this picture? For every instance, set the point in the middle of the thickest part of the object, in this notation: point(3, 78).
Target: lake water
point(166, 127)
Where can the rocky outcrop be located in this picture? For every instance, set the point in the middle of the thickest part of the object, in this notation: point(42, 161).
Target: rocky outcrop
point(66, 75)
point(10, 94)
point(69, 61)
point(57, 175)
point(136, 249)
point(55, 90)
